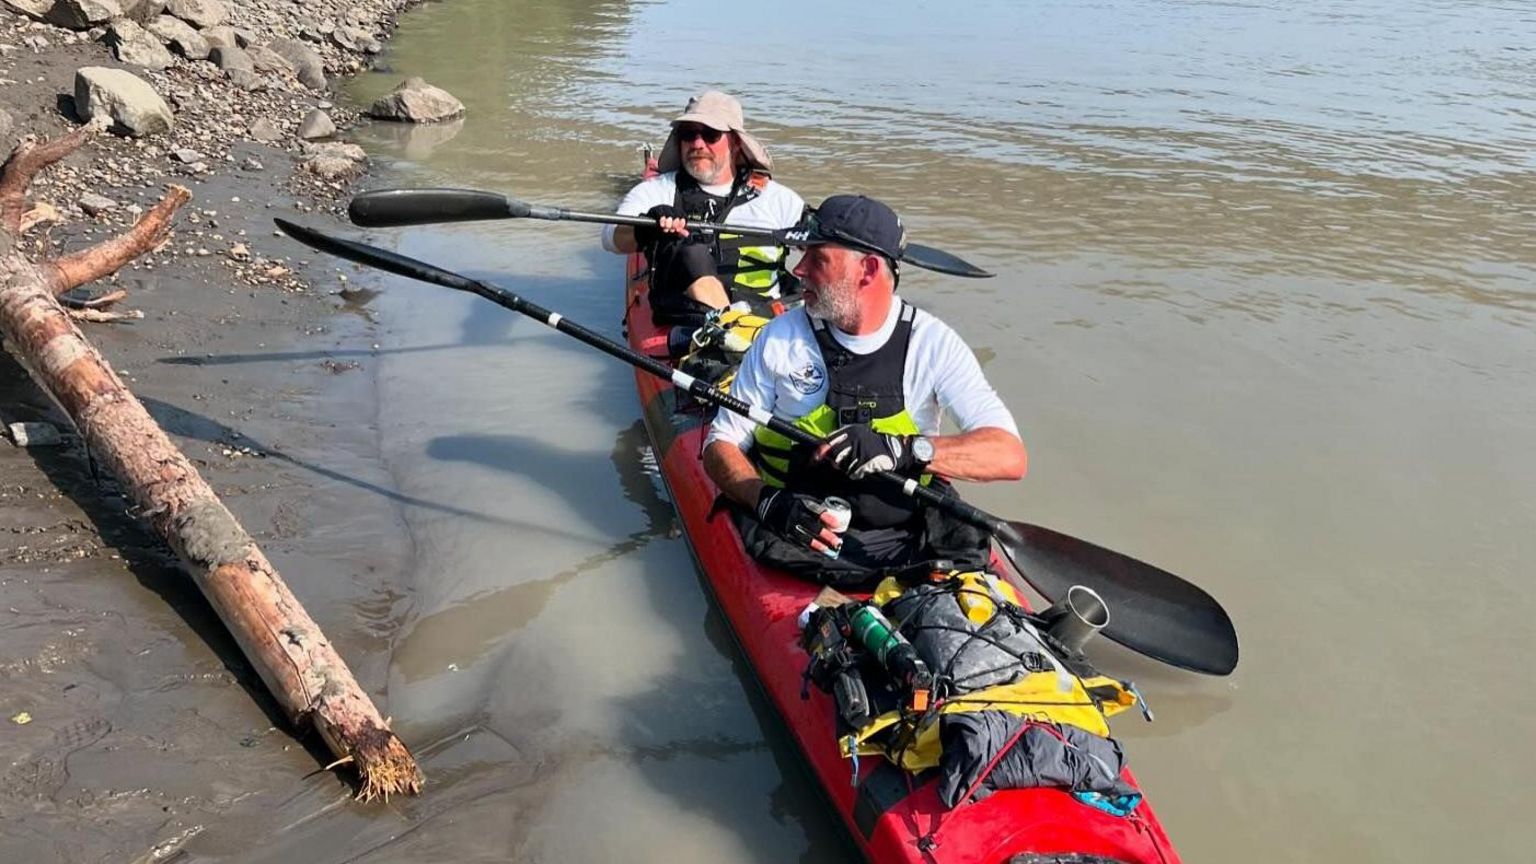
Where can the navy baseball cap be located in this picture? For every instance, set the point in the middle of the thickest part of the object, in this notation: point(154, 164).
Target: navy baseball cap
point(855, 221)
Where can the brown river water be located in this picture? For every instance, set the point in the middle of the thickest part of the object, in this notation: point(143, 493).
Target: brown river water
point(1267, 282)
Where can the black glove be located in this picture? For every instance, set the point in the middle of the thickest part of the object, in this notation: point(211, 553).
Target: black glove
point(647, 235)
point(787, 514)
point(860, 451)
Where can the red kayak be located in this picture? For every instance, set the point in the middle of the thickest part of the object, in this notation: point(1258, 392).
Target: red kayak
point(892, 816)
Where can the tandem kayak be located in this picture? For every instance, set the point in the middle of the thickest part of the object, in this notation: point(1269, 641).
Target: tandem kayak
point(891, 815)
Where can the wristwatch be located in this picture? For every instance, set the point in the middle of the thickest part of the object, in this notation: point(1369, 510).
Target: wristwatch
point(922, 450)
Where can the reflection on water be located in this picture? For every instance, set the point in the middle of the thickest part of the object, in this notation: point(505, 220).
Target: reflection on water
point(1263, 313)
point(459, 635)
point(413, 142)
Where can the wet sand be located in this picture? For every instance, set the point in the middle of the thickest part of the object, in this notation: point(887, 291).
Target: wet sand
point(146, 721)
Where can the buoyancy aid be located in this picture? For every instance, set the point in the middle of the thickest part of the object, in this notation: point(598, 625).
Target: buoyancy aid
point(748, 267)
point(861, 388)
point(1038, 685)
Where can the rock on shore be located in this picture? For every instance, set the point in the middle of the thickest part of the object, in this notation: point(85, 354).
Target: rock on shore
point(200, 76)
point(119, 96)
point(201, 14)
point(316, 124)
point(182, 37)
point(416, 101)
point(305, 62)
point(33, 8)
point(136, 46)
point(82, 14)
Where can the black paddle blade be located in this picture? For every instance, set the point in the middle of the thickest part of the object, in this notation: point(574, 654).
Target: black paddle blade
point(940, 261)
point(386, 208)
point(373, 256)
point(1151, 611)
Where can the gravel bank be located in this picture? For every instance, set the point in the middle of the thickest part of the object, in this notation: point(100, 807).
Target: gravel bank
point(132, 723)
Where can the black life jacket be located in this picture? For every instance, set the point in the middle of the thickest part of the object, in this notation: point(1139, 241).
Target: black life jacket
point(748, 266)
point(861, 388)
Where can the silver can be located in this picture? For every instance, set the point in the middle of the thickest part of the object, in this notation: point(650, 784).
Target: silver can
point(842, 513)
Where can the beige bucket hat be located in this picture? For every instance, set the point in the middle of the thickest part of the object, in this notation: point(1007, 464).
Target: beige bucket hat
point(717, 111)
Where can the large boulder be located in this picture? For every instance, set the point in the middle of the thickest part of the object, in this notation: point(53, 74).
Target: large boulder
point(123, 97)
point(306, 64)
point(337, 150)
point(142, 11)
point(269, 61)
point(227, 58)
point(247, 80)
point(83, 14)
point(31, 8)
point(334, 161)
point(416, 101)
point(180, 36)
point(133, 44)
point(356, 39)
point(315, 125)
point(264, 130)
point(220, 37)
point(201, 14)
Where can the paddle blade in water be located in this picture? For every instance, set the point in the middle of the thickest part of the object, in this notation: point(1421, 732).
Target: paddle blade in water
point(373, 256)
point(1151, 611)
point(384, 208)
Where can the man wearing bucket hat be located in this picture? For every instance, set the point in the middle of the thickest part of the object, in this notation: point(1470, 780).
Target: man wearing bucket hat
point(711, 170)
point(871, 375)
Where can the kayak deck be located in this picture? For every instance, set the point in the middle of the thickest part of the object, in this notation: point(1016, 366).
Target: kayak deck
point(892, 816)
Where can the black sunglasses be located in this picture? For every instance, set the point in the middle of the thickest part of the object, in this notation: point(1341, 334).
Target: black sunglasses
point(813, 227)
point(690, 131)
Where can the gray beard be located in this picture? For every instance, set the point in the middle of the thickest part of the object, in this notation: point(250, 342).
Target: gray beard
point(839, 309)
point(704, 180)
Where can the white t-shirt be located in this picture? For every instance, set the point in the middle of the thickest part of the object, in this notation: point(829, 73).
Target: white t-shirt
point(784, 370)
point(776, 206)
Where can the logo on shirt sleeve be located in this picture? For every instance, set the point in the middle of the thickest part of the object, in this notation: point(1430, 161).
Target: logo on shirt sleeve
point(808, 379)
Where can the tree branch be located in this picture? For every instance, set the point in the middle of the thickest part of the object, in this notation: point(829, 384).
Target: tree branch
point(22, 165)
point(106, 299)
point(104, 316)
point(106, 257)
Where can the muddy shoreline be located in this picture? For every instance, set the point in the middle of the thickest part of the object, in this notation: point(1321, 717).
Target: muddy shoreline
point(132, 722)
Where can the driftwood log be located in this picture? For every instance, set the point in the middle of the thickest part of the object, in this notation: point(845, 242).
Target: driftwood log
point(295, 660)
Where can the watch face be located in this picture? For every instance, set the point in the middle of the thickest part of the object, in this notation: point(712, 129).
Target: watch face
point(922, 448)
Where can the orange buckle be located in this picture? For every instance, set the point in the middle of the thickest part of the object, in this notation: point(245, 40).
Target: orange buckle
point(919, 700)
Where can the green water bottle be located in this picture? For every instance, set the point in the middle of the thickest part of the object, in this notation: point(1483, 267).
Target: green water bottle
point(878, 636)
point(875, 632)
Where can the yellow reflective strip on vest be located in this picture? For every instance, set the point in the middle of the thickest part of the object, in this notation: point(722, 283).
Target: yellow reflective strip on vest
point(762, 277)
point(821, 421)
point(767, 442)
point(773, 470)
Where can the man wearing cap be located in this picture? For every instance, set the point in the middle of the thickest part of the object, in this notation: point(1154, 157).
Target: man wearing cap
point(711, 170)
point(871, 375)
